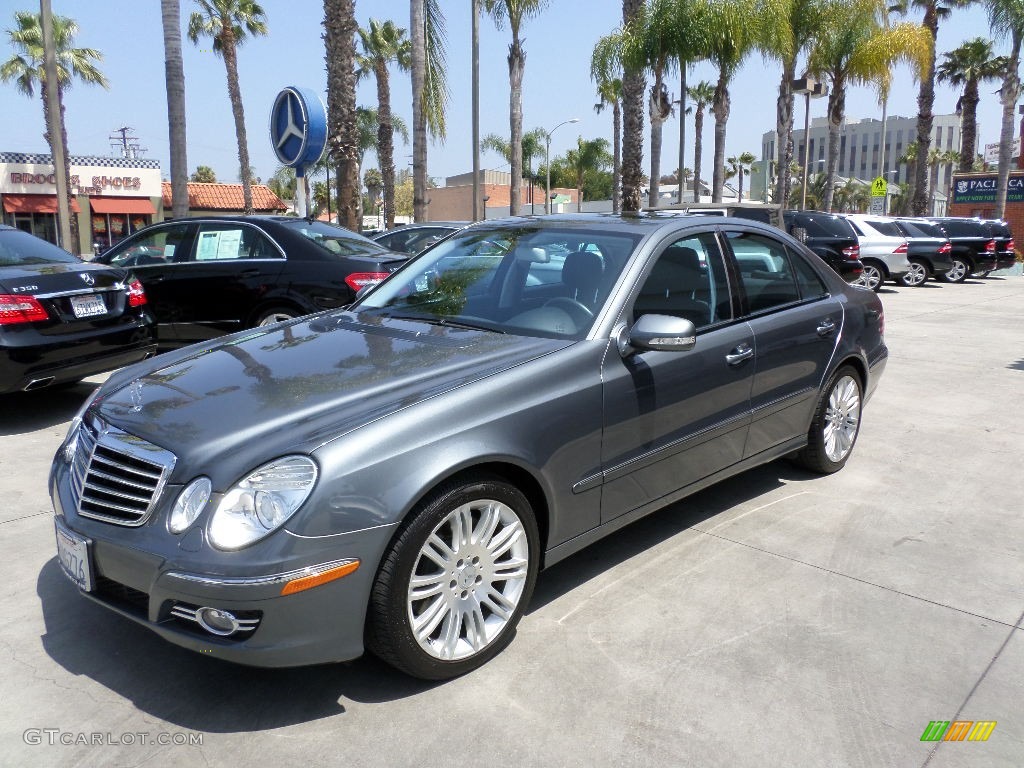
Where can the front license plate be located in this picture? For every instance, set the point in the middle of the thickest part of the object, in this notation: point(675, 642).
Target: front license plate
point(73, 553)
point(88, 306)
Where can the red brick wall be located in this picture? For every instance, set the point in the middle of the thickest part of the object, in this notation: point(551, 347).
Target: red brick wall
point(456, 203)
point(1014, 214)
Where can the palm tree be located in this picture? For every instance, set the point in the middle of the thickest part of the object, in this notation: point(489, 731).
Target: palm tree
point(343, 134)
point(26, 68)
point(703, 93)
point(909, 159)
point(732, 35)
point(853, 197)
point(533, 145)
point(738, 165)
point(609, 91)
point(204, 175)
point(516, 11)
point(788, 30)
point(967, 66)
point(857, 48)
point(1006, 20)
point(174, 75)
point(633, 85)
point(429, 90)
point(384, 43)
point(934, 11)
point(228, 22)
point(591, 155)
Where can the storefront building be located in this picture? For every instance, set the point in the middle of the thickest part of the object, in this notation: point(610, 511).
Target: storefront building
point(974, 195)
point(113, 197)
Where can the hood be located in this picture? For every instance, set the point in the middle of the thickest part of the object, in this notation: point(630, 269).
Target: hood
point(293, 386)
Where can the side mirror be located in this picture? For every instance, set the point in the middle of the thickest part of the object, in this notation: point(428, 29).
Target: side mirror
point(659, 333)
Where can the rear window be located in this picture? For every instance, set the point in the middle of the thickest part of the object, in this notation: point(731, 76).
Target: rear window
point(999, 229)
point(20, 249)
point(340, 242)
point(822, 225)
point(920, 229)
point(887, 228)
point(955, 228)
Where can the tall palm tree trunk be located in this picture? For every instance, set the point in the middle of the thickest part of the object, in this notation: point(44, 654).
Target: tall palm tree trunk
point(969, 126)
point(617, 157)
point(386, 142)
point(417, 37)
point(235, 95)
point(632, 123)
point(836, 112)
point(1008, 96)
point(698, 148)
point(72, 218)
point(516, 65)
point(339, 37)
point(784, 135)
point(174, 75)
point(925, 104)
point(657, 121)
point(721, 111)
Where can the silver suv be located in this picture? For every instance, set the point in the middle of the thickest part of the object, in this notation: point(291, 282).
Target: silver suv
point(883, 249)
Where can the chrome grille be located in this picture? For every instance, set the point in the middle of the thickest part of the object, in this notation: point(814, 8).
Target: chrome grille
point(117, 477)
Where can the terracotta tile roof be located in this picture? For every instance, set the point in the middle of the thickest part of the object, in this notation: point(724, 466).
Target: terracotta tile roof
point(226, 197)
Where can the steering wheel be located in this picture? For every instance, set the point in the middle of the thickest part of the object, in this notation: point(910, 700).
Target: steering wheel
point(579, 312)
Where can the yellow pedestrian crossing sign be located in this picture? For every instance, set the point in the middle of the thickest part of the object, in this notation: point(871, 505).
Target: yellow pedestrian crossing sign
point(879, 187)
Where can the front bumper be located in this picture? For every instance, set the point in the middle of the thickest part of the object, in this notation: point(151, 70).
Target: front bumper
point(156, 579)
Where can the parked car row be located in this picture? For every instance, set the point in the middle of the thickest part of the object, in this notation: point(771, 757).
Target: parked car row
point(870, 250)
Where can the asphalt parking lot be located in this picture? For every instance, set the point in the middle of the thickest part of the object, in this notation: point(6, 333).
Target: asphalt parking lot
point(779, 619)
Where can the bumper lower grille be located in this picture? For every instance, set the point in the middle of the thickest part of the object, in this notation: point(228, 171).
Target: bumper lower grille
point(117, 477)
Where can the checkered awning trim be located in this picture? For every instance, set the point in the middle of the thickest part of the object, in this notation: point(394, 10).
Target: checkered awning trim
point(107, 162)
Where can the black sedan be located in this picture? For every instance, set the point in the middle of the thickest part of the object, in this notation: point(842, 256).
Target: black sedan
point(413, 238)
point(209, 276)
point(62, 319)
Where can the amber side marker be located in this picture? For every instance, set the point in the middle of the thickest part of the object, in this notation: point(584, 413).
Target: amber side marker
point(308, 582)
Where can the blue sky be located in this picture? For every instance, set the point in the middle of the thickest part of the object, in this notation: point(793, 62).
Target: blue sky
point(556, 86)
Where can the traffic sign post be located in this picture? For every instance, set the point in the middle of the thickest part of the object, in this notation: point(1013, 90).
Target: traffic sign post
point(879, 190)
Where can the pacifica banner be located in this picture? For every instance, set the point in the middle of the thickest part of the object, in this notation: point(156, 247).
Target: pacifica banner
point(982, 189)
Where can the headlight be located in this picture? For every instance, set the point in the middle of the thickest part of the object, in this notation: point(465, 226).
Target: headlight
point(189, 504)
point(262, 502)
point(71, 439)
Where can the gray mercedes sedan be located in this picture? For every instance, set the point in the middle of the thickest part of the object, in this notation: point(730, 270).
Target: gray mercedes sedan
point(393, 476)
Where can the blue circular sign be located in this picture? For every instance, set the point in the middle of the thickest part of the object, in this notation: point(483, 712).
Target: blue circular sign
point(298, 127)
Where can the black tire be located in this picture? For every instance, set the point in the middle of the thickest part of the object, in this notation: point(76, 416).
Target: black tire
point(276, 314)
point(461, 593)
point(830, 427)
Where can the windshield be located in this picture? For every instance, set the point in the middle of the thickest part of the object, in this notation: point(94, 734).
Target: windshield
point(20, 249)
point(338, 241)
point(533, 281)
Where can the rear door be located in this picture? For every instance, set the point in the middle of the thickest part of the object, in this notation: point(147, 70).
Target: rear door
point(796, 326)
point(673, 418)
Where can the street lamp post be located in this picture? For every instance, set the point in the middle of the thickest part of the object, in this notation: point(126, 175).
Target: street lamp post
point(547, 161)
point(808, 87)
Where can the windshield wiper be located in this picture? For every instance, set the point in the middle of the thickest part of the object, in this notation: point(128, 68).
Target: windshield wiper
point(445, 322)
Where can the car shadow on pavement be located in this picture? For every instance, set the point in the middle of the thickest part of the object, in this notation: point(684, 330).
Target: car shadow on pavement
point(24, 412)
point(205, 694)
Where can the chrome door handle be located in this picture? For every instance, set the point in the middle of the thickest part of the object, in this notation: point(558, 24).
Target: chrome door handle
point(826, 326)
point(739, 354)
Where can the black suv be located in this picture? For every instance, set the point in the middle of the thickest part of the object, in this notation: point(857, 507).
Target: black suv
point(829, 236)
point(974, 247)
point(928, 250)
point(1006, 254)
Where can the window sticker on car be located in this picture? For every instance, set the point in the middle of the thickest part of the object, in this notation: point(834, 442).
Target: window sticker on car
point(223, 244)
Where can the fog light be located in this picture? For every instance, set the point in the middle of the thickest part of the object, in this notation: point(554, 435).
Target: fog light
point(216, 621)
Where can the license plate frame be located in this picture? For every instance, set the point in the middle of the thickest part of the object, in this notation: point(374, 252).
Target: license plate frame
point(74, 557)
point(88, 305)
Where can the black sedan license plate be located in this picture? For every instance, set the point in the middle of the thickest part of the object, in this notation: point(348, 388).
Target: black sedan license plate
point(88, 306)
point(73, 553)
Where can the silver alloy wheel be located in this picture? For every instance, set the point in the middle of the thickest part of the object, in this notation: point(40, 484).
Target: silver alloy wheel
point(871, 277)
point(468, 579)
point(276, 317)
point(917, 275)
point(957, 272)
point(842, 418)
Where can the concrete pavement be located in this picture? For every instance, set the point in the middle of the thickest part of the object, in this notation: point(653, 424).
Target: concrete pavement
point(778, 619)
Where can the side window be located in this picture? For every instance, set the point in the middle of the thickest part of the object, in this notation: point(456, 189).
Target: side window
point(688, 280)
point(811, 285)
point(765, 270)
point(219, 242)
point(157, 247)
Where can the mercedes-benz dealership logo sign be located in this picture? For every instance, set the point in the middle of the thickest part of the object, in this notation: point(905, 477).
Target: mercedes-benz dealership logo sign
point(298, 127)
